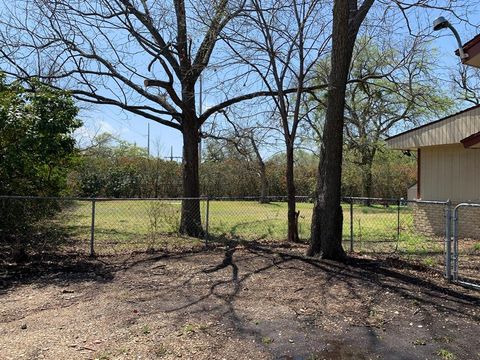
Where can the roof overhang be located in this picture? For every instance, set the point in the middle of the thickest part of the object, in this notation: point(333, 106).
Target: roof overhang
point(453, 129)
point(472, 48)
point(472, 141)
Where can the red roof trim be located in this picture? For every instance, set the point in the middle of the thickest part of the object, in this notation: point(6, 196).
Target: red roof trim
point(434, 122)
point(471, 140)
point(471, 43)
point(472, 48)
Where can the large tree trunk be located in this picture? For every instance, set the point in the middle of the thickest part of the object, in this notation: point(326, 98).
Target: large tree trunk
point(367, 184)
point(327, 218)
point(292, 216)
point(191, 223)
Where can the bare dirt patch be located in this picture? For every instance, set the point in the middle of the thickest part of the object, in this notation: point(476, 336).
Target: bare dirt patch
point(255, 302)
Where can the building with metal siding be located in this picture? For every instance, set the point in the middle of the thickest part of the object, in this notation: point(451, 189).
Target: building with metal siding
point(448, 156)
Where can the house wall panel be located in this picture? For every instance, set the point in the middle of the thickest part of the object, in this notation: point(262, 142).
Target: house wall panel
point(450, 172)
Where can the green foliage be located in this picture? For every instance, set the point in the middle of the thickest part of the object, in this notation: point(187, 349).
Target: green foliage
point(392, 173)
point(36, 142)
point(399, 91)
point(36, 150)
point(267, 340)
point(237, 177)
point(126, 171)
point(116, 168)
point(445, 354)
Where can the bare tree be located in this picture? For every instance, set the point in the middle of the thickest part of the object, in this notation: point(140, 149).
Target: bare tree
point(249, 134)
point(466, 84)
point(281, 42)
point(348, 16)
point(104, 52)
point(327, 218)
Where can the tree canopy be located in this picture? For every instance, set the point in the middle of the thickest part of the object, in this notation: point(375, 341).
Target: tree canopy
point(36, 143)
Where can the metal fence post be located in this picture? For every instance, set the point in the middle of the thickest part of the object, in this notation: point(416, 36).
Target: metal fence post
point(207, 220)
point(448, 238)
point(455, 243)
point(398, 220)
point(92, 231)
point(351, 224)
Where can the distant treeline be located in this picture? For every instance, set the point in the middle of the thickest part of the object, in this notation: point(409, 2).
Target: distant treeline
point(126, 171)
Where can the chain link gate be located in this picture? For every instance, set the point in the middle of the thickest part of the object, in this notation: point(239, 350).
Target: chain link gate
point(452, 262)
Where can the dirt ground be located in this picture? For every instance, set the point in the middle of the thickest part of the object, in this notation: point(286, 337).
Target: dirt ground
point(255, 302)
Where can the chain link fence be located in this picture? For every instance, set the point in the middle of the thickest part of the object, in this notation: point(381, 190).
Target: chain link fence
point(438, 234)
point(105, 226)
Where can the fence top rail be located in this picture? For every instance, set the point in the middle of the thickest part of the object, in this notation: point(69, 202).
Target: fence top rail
point(222, 198)
point(69, 198)
point(394, 200)
point(66, 198)
point(270, 197)
point(362, 198)
point(437, 202)
point(466, 204)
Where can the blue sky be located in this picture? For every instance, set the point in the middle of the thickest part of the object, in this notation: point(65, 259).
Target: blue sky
point(133, 128)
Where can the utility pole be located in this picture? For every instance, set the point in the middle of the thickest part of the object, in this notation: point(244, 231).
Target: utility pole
point(171, 153)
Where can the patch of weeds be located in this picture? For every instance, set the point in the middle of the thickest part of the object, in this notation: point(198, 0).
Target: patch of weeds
point(202, 327)
point(267, 340)
point(419, 342)
point(122, 351)
point(429, 261)
point(446, 355)
point(146, 330)
point(476, 247)
point(103, 356)
point(160, 350)
point(189, 329)
point(313, 357)
point(442, 339)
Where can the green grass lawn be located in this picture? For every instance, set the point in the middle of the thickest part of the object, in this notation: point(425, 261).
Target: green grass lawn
point(127, 225)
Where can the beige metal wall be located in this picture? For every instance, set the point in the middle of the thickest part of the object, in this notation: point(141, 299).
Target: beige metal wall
point(450, 172)
point(412, 192)
point(448, 131)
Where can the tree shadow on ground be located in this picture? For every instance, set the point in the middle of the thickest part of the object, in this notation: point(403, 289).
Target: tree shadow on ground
point(46, 252)
point(409, 281)
point(390, 274)
point(215, 283)
point(390, 268)
point(44, 270)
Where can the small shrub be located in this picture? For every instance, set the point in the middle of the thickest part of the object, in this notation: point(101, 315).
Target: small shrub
point(146, 330)
point(446, 355)
point(267, 340)
point(160, 350)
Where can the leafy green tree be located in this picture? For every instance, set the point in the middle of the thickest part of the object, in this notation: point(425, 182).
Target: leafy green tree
point(116, 168)
point(392, 173)
point(402, 92)
point(36, 150)
point(36, 139)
